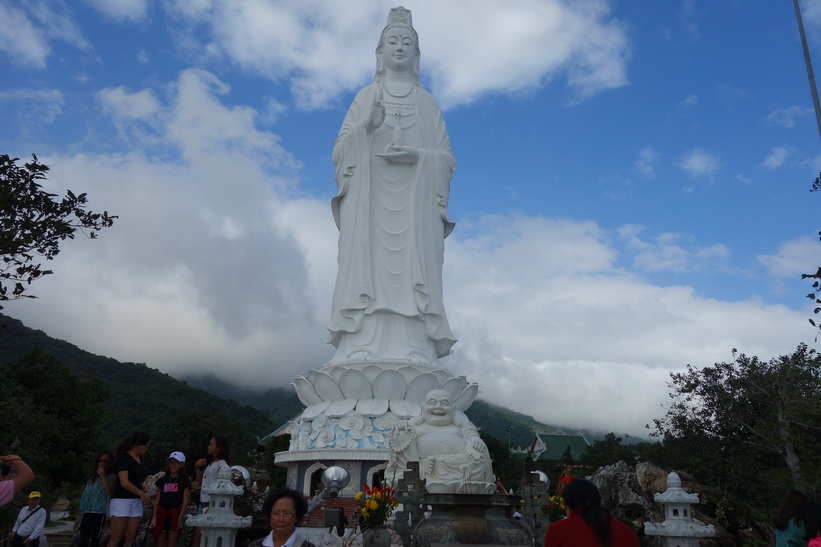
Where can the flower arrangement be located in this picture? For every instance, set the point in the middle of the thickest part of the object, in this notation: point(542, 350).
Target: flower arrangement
point(555, 508)
point(376, 505)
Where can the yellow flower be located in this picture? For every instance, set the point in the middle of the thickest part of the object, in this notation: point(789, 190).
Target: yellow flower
point(359, 495)
point(377, 495)
point(372, 505)
point(364, 512)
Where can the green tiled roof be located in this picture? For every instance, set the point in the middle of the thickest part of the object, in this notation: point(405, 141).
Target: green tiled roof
point(557, 443)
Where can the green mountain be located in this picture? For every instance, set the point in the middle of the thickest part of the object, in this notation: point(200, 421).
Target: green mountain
point(178, 416)
point(143, 398)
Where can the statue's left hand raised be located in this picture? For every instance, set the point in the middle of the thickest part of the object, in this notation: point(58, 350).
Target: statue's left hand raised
point(400, 154)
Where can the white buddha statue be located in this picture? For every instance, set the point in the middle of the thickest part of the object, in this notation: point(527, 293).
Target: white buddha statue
point(393, 166)
point(452, 457)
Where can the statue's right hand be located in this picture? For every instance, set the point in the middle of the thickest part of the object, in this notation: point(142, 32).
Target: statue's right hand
point(376, 117)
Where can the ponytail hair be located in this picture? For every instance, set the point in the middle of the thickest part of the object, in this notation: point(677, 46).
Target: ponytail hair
point(138, 437)
point(582, 497)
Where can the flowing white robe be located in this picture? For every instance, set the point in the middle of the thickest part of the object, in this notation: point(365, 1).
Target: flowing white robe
point(392, 220)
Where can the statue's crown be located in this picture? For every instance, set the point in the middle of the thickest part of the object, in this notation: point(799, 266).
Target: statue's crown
point(399, 17)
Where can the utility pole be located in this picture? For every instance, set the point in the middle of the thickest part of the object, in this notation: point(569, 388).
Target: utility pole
point(509, 454)
point(807, 60)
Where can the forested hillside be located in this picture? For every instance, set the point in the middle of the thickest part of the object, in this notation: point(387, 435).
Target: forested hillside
point(136, 397)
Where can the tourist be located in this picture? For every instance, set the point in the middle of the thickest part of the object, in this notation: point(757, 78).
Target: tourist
point(170, 504)
point(393, 164)
point(16, 474)
point(219, 450)
point(129, 496)
point(94, 500)
point(29, 524)
point(789, 523)
point(587, 522)
point(285, 508)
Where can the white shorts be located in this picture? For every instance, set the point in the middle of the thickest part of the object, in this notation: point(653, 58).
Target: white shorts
point(125, 507)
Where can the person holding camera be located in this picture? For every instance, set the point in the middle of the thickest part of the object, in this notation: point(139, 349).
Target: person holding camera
point(16, 474)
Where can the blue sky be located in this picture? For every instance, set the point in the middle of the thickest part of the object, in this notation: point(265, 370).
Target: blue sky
point(631, 193)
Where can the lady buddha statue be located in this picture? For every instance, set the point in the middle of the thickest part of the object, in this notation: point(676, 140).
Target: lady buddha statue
point(393, 166)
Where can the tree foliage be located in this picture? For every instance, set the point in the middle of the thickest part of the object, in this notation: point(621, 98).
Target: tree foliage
point(750, 420)
point(276, 474)
point(816, 284)
point(53, 415)
point(33, 224)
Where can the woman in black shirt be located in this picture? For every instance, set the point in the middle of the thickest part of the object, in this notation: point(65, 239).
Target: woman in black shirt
point(129, 496)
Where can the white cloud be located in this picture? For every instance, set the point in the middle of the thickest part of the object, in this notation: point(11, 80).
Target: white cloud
point(27, 31)
point(811, 14)
point(776, 158)
point(122, 105)
point(646, 162)
point(786, 117)
point(671, 252)
point(20, 40)
point(689, 17)
point(200, 261)
point(698, 163)
point(121, 10)
point(793, 258)
point(569, 336)
point(46, 104)
point(301, 43)
point(690, 101)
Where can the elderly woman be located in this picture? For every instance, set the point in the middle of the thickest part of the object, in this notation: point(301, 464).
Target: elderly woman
point(587, 522)
point(286, 508)
point(393, 164)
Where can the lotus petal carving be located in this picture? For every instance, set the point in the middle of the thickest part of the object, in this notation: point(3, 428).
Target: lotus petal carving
point(389, 384)
point(355, 385)
point(327, 387)
point(305, 391)
point(369, 386)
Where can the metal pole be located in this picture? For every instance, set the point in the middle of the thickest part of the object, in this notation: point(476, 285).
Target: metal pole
point(509, 455)
point(807, 60)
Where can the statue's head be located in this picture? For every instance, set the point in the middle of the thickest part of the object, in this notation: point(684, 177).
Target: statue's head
point(438, 408)
point(398, 33)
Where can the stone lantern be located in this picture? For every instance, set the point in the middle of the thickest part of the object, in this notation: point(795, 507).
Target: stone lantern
point(218, 525)
point(678, 528)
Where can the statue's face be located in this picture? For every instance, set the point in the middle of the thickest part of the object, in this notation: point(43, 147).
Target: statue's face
point(438, 409)
point(399, 49)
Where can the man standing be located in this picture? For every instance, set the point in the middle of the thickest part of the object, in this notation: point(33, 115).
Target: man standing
point(29, 525)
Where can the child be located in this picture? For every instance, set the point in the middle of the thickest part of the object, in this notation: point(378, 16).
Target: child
point(171, 502)
point(207, 473)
